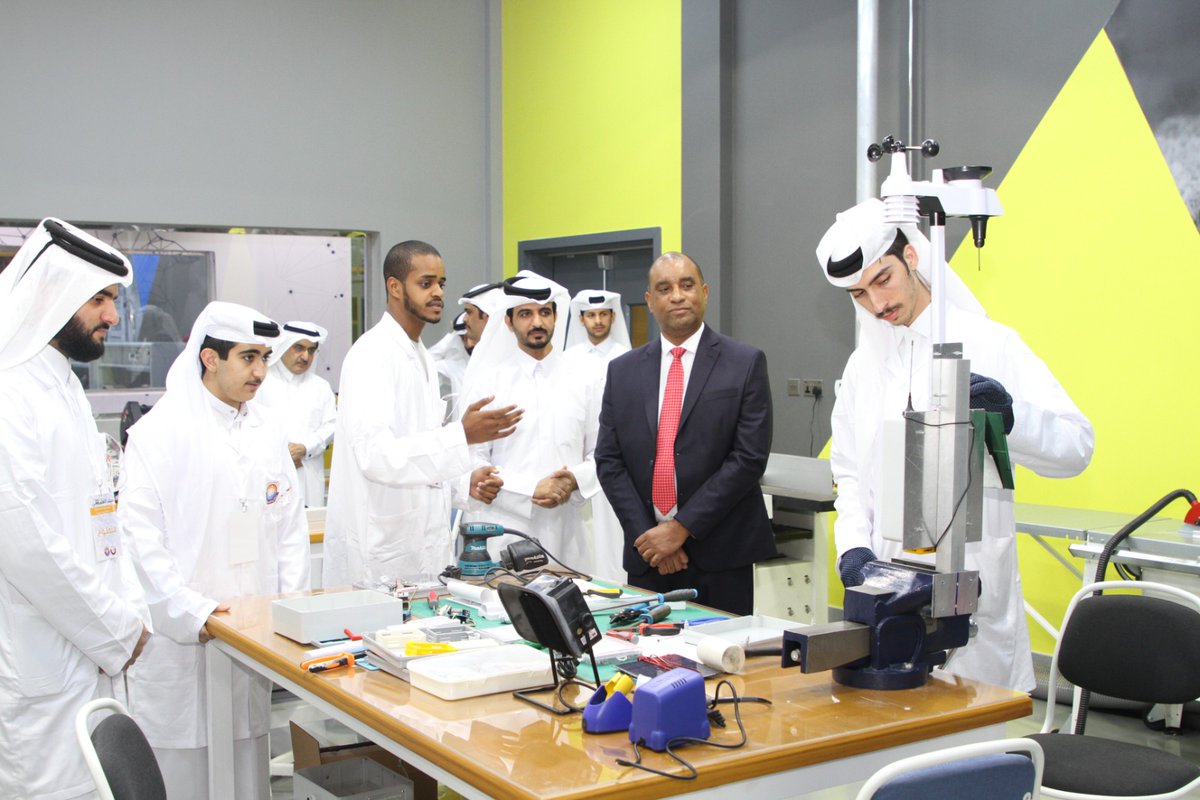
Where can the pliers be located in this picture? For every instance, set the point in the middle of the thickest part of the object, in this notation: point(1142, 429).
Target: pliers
point(659, 629)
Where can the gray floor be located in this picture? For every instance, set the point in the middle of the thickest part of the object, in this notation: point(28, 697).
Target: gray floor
point(1109, 725)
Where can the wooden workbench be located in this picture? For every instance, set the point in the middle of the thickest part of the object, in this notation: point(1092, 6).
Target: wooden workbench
point(816, 734)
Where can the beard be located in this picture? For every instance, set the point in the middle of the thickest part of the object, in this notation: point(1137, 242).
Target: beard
point(423, 313)
point(532, 345)
point(76, 343)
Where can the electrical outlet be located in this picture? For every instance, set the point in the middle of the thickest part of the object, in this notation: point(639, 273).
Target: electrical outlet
point(793, 387)
point(812, 389)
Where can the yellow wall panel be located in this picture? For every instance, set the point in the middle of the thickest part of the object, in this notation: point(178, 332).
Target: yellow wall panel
point(591, 119)
point(1093, 264)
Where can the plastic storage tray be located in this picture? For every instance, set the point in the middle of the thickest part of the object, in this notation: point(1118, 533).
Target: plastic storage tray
point(353, 779)
point(322, 617)
point(476, 672)
point(745, 631)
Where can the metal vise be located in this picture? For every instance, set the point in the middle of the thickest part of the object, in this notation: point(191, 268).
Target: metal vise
point(899, 624)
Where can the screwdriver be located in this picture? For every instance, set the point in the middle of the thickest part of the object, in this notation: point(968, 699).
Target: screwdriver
point(669, 597)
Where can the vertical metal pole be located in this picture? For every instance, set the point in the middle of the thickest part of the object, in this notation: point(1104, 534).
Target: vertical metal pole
point(867, 110)
point(915, 106)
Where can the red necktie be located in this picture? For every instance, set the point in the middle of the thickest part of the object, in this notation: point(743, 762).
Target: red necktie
point(663, 492)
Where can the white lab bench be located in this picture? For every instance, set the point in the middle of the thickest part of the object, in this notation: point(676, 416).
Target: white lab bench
point(799, 495)
point(1087, 530)
point(1165, 550)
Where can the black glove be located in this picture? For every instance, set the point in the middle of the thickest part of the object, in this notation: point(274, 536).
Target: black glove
point(989, 394)
point(852, 563)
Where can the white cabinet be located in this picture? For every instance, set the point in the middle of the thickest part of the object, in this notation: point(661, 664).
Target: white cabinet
point(799, 495)
point(784, 588)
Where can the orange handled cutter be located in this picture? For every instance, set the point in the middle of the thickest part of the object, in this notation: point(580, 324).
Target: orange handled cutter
point(324, 663)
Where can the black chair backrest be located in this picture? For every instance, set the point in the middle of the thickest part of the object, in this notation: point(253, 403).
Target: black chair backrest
point(1133, 647)
point(128, 760)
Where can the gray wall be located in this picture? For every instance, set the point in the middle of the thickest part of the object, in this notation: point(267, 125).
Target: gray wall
point(353, 115)
point(769, 154)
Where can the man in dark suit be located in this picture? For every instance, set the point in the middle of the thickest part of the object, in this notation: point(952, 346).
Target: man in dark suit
point(685, 429)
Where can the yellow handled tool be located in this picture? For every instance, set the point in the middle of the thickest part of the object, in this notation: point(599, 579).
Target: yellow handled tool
point(428, 648)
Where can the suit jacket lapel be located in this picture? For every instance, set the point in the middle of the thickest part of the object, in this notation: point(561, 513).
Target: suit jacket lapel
point(650, 370)
point(702, 367)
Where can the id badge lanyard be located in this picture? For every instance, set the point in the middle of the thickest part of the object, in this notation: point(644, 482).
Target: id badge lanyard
point(102, 503)
point(244, 521)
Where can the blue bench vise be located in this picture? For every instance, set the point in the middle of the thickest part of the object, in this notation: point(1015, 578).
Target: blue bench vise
point(899, 625)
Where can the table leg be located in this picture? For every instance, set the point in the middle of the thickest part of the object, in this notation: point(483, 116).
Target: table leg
point(219, 684)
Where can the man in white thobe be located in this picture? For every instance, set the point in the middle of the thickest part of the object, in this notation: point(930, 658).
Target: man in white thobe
point(453, 351)
point(208, 495)
point(597, 335)
point(390, 487)
point(547, 466)
point(598, 332)
point(71, 611)
point(304, 404)
point(884, 268)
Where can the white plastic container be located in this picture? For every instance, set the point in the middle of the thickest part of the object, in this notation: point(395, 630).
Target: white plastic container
point(352, 779)
point(322, 617)
point(472, 673)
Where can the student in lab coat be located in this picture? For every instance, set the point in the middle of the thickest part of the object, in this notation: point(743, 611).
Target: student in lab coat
point(208, 495)
point(303, 403)
point(388, 517)
point(71, 611)
point(547, 466)
point(885, 271)
point(597, 335)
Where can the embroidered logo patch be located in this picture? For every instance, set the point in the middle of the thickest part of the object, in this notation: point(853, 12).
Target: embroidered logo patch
point(272, 492)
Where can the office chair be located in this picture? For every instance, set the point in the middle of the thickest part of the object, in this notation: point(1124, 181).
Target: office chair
point(117, 754)
point(1005, 769)
point(1133, 647)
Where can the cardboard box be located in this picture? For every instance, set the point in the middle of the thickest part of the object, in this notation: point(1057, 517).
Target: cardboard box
point(350, 779)
point(308, 750)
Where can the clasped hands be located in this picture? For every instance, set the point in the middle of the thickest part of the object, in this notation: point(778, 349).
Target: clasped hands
point(555, 489)
point(486, 483)
point(662, 547)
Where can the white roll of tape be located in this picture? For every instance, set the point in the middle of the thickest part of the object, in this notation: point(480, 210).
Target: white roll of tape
point(720, 654)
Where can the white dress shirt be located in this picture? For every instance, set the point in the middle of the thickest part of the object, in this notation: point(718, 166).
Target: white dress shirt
point(690, 345)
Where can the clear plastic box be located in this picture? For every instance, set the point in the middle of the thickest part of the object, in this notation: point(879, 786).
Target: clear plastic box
point(353, 779)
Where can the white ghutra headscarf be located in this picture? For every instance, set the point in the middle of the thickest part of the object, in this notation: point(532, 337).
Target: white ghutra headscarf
point(54, 273)
point(593, 300)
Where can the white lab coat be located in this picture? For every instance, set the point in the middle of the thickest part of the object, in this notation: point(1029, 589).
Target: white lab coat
point(1050, 436)
point(451, 358)
point(305, 407)
point(208, 496)
point(66, 610)
point(559, 428)
point(390, 486)
point(608, 540)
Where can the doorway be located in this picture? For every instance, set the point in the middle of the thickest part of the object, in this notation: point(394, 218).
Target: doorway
point(616, 261)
